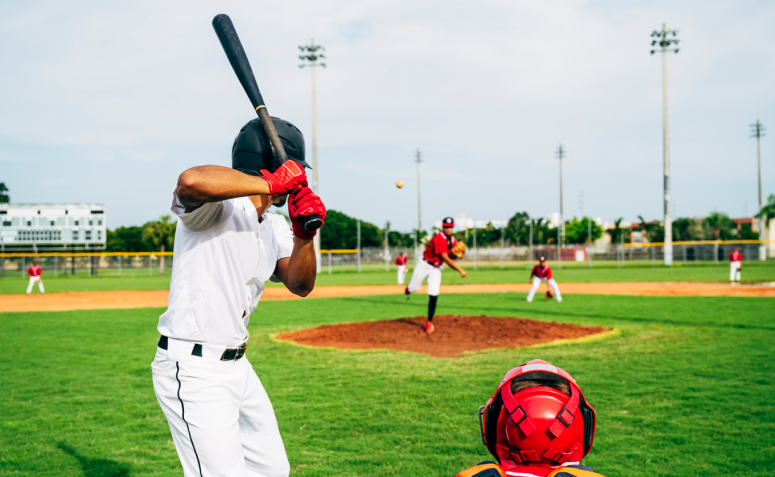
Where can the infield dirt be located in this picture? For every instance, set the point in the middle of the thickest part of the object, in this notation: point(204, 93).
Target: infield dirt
point(94, 300)
point(454, 334)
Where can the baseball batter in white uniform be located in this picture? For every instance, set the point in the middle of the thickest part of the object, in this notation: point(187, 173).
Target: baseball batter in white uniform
point(226, 247)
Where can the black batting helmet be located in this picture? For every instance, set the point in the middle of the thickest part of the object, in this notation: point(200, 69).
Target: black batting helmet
point(252, 150)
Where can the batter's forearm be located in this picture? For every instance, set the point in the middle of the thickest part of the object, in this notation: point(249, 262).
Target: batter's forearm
point(302, 268)
point(203, 184)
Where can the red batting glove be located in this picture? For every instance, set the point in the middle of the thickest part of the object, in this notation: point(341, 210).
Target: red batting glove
point(285, 178)
point(303, 203)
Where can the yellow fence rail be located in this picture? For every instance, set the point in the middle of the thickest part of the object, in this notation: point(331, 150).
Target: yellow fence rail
point(698, 242)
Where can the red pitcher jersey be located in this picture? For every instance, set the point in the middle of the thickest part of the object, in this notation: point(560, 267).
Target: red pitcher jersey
point(439, 244)
point(735, 257)
point(546, 272)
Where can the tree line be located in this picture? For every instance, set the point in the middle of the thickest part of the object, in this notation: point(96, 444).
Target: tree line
point(340, 232)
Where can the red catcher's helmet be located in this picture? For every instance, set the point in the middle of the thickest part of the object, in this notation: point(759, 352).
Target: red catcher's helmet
point(538, 426)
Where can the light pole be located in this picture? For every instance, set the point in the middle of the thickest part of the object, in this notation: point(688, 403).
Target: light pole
point(418, 160)
point(662, 40)
point(309, 57)
point(757, 131)
point(561, 229)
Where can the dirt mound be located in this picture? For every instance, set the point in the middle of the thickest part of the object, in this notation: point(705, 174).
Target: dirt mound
point(454, 334)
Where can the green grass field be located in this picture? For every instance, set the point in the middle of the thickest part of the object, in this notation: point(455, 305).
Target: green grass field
point(138, 278)
point(685, 389)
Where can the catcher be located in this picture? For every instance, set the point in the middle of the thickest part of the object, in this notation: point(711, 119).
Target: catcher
point(441, 249)
point(537, 424)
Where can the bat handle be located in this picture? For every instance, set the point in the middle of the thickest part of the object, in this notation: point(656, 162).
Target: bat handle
point(312, 223)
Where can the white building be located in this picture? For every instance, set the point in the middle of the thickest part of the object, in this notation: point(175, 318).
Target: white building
point(50, 225)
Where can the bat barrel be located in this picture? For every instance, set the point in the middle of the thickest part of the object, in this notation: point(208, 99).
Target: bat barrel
point(232, 45)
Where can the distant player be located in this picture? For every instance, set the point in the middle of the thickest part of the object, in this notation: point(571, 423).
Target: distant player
point(401, 267)
point(543, 273)
point(440, 250)
point(735, 266)
point(34, 273)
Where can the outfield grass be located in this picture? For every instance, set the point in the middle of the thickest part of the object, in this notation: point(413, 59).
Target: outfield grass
point(138, 279)
point(686, 389)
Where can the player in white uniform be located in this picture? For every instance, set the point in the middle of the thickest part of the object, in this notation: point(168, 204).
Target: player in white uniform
point(226, 247)
point(401, 267)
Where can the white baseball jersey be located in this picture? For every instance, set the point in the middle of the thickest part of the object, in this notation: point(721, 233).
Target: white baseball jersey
point(223, 256)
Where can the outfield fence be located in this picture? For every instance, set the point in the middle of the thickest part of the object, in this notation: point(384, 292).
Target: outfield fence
point(121, 264)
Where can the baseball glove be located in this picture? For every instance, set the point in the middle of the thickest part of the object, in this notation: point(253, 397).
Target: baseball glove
point(458, 251)
point(549, 295)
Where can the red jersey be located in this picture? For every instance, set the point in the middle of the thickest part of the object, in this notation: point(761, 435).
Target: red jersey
point(34, 271)
point(735, 257)
point(546, 272)
point(401, 260)
point(439, 244)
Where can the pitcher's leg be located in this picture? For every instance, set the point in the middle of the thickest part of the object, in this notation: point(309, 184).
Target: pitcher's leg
point(421, 270)
point(262, 444)
point(533, 289)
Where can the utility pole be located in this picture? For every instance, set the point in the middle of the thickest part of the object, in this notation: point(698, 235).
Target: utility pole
point(418, 160)
point(560, 155)
point(757, 131)
point(358, 238)
point(387, 251)
point(309, 58)
point(561, 228)
point(660, 38)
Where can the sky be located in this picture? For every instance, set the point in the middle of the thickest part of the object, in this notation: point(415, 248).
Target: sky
point(108, 102)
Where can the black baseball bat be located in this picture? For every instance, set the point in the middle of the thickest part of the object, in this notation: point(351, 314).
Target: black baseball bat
point(232, 45)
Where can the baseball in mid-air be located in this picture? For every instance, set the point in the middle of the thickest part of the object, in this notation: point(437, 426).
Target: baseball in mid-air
point(400, 184)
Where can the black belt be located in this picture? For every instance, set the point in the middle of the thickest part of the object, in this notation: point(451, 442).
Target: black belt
point(429, 263)
point(231, 354)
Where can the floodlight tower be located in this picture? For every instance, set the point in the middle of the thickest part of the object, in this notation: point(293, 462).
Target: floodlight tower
point(418, 160)
point(309, 57)
point(662, 39)
point(560, 155)
point(757, 131)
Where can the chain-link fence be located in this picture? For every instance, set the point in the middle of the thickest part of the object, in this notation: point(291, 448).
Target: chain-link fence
point(87, 265)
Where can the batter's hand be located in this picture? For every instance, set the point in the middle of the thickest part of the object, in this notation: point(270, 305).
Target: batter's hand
point(302, 203)
point(285, 178)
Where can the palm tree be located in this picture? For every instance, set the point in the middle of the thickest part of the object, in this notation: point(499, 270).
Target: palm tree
point(160, 233)
point(4, 197)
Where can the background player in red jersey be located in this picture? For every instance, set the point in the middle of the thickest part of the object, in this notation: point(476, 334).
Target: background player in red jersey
point(542, 273)
point(401, 267)
point(735, 265)
point(34, 273)
point(433, 259)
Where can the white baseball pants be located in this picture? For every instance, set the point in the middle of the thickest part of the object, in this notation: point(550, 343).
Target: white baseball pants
point(221, 419)
point(33, 280)
point(422, 271)
point(401, 273)
point(537, 282)
point(734, 271)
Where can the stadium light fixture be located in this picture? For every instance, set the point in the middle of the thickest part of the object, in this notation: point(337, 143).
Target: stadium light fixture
point(665, 44)
point(309, 59)
point(757, 131)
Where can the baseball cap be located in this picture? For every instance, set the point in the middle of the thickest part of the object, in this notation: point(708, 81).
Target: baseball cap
point(448, 222)
point(542, 259)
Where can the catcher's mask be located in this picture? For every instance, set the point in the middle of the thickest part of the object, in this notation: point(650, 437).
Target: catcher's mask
point(252, 150)
point(538, 425)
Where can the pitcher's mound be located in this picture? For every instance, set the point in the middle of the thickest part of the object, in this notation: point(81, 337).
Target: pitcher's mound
point(454, 334)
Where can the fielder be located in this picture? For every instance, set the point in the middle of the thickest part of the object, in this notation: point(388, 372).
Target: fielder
point(34, 273)
point(537, 424)
point(735, 266)
point(401, 267)
point(226, 247)
point(543, 273)
point(440, 250)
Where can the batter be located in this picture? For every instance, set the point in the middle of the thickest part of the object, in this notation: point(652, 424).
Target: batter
point(226, 247)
